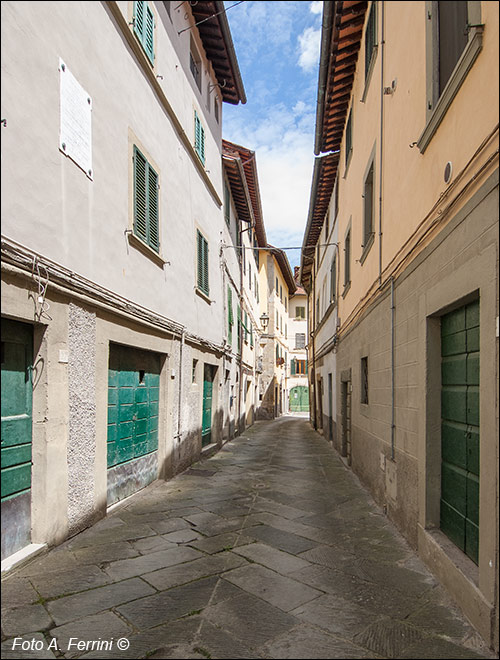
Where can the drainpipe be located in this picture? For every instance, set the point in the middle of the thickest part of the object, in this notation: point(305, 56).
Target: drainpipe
point(393, 425)
point(313, 371)
point(179, 403)
point(240, 331)
point(381, 138)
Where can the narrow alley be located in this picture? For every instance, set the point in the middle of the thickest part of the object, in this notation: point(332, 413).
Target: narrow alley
point(269, 549)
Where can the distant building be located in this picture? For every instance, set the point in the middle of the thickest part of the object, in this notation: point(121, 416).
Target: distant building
point(400, 264)
point(297, 380)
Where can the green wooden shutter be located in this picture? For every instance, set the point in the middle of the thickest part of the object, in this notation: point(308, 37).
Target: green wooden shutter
point(230, 320)
point(153, 229)
point(292, 367)
point(202, 259)
point(140, 196)
point(251, 335)
point(146, 203)
point(144, 24)
point(199, 138)
point(238, 314)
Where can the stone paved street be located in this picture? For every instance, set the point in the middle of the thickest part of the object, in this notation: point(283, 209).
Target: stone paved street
point(269, 549)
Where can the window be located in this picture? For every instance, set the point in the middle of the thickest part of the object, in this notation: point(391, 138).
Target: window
point(208, 96)
point(199, 138)
point(277, 321)
point(230, 319)
point(245, 327)
point(298, 367)
point(195, 64)
point(227, 205)
point(286, 330)
point(250, 276)
point(300, 340)
point(144, 27)
point(300, 313)
point(347, 257)
point(193, 371)
point(202, 262)
point(364, 380)
point(286, 304)
point(348, 140)
point(454, 35)
point(333, 280)
point(370, 38)
point(277, 285)
point(216, 109)
point(146, 202)
point(368, 209)
point(238, 315)
point(281, 293)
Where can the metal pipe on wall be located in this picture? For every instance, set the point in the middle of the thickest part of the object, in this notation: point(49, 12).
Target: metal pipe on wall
point(381, 139)
point(393, 426)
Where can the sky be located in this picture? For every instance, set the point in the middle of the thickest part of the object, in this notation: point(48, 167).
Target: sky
point(277, 45)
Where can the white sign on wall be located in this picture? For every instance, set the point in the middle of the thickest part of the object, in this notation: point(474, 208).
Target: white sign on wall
point(75, 135)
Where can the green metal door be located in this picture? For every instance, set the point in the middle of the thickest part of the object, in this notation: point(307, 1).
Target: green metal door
point(460, 428)
point(16, 413)
point(299, 399)
point(133, 396)
point(206, 421)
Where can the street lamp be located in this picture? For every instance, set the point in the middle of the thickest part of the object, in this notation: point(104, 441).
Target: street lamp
point(264, 320)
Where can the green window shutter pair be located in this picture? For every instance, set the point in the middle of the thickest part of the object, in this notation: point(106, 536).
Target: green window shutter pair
point(238, 313)
point(202, 259)
point(146, 202)
point(144, 27)
point(199, 138)
point(230, 320)
point(292, 367)
point(251, 335)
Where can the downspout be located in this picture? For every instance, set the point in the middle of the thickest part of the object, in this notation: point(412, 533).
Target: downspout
point(240, 331)
point(179, 402)
point(393, 426)
point(381, 139)
point(313, 372)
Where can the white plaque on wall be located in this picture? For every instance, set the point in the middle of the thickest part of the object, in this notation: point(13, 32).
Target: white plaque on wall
point(75, 135)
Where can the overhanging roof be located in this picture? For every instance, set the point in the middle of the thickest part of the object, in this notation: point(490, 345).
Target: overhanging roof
point(241, 169)
point(284, 264)
point(218, 43)
point(324, 176)
point(340, 42)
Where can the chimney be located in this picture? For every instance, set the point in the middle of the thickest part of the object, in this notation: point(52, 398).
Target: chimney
point(296, 272)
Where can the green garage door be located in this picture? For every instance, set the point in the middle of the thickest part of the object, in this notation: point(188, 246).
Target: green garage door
point(17, 362)
point(460, 428)
point(299, 399)
point(133, 396)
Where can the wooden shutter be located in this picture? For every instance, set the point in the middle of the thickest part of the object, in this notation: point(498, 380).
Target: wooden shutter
point(292, 367)
point(140, 196)
point(238, 311)
point(202, 263)
point(230, 320)
point(199, 138)
point(144, 25)
point(153, 228)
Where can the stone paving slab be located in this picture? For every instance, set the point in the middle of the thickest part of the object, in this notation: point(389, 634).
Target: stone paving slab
point(280, 539)
point(307, 642)
point(80, 578)
point(277, 560)
point(104, 626)
point(276, 589)
point(74, 607)
point(174, 576)
point(24, 619)
point(221, 542)
point(125, 568)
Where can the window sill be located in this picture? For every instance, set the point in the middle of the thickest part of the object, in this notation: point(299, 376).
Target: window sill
point(346, 289)
point(467, 59)
point(367, 248)
point(369, 74)
point(145, 249)
point(203, 295)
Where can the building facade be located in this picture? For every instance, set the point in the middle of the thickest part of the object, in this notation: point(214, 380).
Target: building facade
point(116, 364)
point(297, 366)
point(407, 174)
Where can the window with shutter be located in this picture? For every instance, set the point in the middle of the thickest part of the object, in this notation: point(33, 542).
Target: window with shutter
point(146, 202)
point(199, 138)
point(238, 314)
point(202, 262)
point(227, 205)
point(230, 320)
point(370, 38)
point(144, 27)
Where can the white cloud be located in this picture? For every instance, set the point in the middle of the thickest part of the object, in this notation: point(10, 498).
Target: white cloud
point(309, 42)
point(316, 7)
